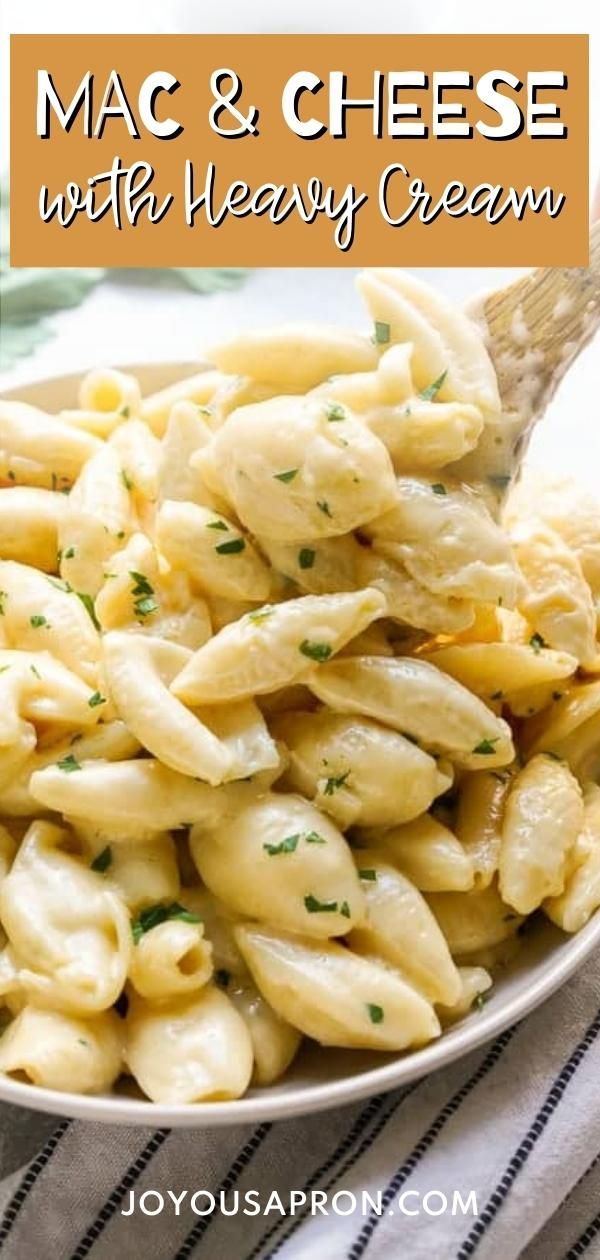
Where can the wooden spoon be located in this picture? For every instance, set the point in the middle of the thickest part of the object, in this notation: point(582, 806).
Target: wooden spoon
point(536, 327)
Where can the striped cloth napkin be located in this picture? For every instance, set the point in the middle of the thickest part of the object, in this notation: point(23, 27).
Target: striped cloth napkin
point(517, 1123)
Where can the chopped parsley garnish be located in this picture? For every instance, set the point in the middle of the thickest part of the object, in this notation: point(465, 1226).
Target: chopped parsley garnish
point(222, 977)
point(69, 764)
point(125, 412)
point(3, 668)
point(289, 845)
point(382, 333)
point(537, 643)
point(96, 699)
point(68, 554)
point(216, 525)
point(35, 672)
point(316, 651)
point(141, 585)
point(334, 782)
point(88, 604)
point(38, 620)
point(486, 747)
point(368, 874)
point(153, 916)
point(231, 547)
point(145, 606)
point(345, 909)
point(375, 1013)
point(286, 476)
point(102, 862)
point(335, 411)
point(313, 837)
point(261, 614)
point(438, 487)
point(496, 695)
point(324, 507)
point(314, 906)
point(480, 1001)
point(3, 596)
point(306, 557)
point(431, 391)
point(127, 482)
point(144, 602)
point(499, 480)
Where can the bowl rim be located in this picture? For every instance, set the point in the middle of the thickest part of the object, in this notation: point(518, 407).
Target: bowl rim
point(549, 973)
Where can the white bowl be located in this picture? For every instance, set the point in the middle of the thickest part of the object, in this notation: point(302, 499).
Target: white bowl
point(319, 1078)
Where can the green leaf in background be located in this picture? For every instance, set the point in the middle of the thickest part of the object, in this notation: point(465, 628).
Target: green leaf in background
point(27, 291)
point(210, 279)
point(20, 339)
point(28, 294)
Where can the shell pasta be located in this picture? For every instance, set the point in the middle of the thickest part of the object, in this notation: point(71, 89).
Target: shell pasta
point(299, 706)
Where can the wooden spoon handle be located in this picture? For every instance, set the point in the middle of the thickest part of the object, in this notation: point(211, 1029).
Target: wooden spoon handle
point(537, 326)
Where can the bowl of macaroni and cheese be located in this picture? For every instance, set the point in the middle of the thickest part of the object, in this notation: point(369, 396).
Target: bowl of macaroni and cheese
point(299, 722)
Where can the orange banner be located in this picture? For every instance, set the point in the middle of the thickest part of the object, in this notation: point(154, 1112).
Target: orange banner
point(316, 150)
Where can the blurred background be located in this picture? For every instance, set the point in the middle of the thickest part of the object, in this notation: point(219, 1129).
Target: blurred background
point(127, 318)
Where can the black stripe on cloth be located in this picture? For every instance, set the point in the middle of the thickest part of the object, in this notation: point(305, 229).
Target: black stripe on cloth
point(29, 1179)
point(521, 1155)
point(116, 1197)
point(423, 1146)
point(366, 1115)
point(590, 1232)
point(364, 1146)
point(241, 1162)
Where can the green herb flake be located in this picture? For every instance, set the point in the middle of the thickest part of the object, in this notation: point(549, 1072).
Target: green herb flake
point(306, 558)
point(382, 334)
point(3, 668)
point(231, 548)
point(316, 651)
point(335, 411)
point(368, 874)
point(141, 585)
point(3, 597)
point(486, 747)
point(88, 604)
point(125, 412)
point(96, 699)
point(497, 695)
point(34, 670)
point(480, 1001)
point(375, 1013)
point(431, 391)
point(289, 845)
point(438, 487)
point(37, 620)
point(217, 525)
point(69, 553)
point(261, 614)
point(313, 837)
point(287, 476)
point(334, 782)
point(153, 916)
point(500, 480)
point(324, 507)
point(345, 909)
point(103, 860)
point(145, 606)
point(536, 642)
point(314, 906)
point(69, 764)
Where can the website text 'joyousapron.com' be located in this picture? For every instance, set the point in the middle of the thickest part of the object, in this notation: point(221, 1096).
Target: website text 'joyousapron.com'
point(202, 1202)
